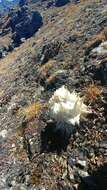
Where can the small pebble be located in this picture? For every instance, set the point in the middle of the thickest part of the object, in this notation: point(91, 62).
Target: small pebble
point(82, 163)
point(83, 173)
point(3, 133)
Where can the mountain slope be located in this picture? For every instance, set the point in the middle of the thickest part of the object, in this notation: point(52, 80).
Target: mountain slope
point(34, 154)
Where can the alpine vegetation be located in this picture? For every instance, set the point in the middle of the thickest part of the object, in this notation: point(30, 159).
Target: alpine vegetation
point(101, 49)
point(67, 107)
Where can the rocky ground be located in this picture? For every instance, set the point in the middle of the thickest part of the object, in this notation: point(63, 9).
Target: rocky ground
point(69, 49)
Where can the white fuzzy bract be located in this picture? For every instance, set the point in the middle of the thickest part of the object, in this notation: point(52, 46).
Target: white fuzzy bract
point(101, 49)
point(66, 106)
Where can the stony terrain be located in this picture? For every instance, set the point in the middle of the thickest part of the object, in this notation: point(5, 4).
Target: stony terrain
point(70, 49)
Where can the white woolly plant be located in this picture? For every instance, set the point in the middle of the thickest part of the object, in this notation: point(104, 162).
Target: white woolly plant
point(101, 49)
point(67, 107)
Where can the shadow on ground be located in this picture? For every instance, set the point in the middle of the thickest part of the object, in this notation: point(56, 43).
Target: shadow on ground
point(97, 181)
point(55, 137)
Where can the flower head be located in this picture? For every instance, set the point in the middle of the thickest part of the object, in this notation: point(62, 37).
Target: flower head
point(66, 106)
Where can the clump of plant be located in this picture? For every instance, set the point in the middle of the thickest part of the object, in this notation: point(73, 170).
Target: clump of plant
point(101, 49)
point(65, 110)
point(92, 92)
point(44, 69)
point(67, 107)
point(32, 111)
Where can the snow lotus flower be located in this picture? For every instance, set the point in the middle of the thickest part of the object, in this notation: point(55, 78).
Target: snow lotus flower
point(67, 107)
point(101, 49)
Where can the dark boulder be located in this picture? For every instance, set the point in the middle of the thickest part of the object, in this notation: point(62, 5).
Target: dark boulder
point(22, 3)
point(103, 72)
point(59, 3)
point(24, 23)
point(50, 4)
point(0, 54)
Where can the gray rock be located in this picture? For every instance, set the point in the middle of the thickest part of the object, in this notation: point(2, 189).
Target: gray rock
point(49, 51)
point(23, 23)
point(83, 173)
point(59, 3)
point(82, 163)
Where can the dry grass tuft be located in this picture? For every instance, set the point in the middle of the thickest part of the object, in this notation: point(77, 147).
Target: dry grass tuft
point(32, 111)
point(54, 76)
point(51, 79)
point(105, 33)
point(35, 178)
point(45, 68)
point(5, 41)
point(93, 92)
point(102, 36)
